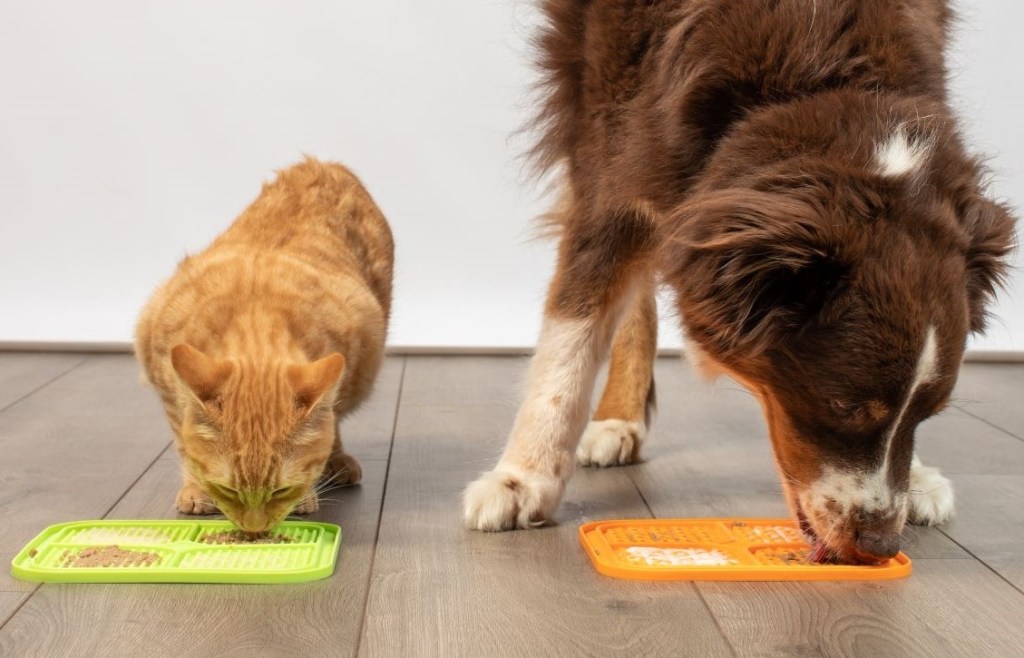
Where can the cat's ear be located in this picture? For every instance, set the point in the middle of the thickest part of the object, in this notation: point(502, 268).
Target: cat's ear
point(203, 375)
point(312, 381)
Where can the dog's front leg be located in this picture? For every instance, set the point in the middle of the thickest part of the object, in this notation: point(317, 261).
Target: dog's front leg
point(592, 286)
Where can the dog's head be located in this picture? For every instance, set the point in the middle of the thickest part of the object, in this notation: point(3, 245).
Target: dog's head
point(843, 300)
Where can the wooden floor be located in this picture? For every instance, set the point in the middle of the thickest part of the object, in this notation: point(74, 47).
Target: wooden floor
point(81, 438)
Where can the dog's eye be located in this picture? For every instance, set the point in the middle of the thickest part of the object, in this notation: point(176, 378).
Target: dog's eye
point(867, 413)
point(843, 409)
point(844, 412)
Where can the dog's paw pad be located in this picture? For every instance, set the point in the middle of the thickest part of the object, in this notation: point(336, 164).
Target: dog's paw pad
point(611, 442)
point(505, 499)
point(931, 495)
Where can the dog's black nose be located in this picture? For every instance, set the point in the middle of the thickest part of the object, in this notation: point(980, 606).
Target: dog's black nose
point(878, 544)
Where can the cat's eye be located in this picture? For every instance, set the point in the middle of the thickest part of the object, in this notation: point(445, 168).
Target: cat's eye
point(223, 491)
point(282, 492)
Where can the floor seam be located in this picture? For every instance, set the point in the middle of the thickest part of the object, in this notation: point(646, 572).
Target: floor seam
point(131, 486)
point(640, 493)
point(986, 564)
point(714, 618)
point(44, 384)
point(109, 510)
point(989, 423)
point(700, 595)
point(380, 511)
point(21, 605)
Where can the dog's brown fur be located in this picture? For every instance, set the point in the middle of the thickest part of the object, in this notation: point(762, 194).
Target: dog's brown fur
point(736, 146)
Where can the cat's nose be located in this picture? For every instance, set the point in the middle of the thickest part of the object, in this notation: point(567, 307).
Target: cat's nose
point(253, 520)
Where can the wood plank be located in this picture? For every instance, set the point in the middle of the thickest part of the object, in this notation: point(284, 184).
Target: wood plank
point(990, 522)
point(438, 589)
point(242, 620)
point(709, 455)
point(9, 602)
point(70, 450)
point(959, 443)
point(946, 608)
point(367, 431)
point(992, 391)
point(23, 372)
point(221, 620)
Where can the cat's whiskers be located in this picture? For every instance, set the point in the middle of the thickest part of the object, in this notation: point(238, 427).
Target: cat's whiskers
point(326, 483)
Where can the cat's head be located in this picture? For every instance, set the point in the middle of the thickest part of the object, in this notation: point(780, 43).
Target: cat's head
point(256, 436)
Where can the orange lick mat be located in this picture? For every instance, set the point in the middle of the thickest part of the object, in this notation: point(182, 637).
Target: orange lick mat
point(716, 549)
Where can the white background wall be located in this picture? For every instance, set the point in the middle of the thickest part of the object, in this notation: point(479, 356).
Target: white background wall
point(132, 132)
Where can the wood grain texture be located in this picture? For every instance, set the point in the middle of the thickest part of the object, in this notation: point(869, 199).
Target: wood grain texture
point(70, 450)
point(440, 590)
point(9, 602)
point(946, 608)
point(74, 448)
point(990, 522)
point(21, 373)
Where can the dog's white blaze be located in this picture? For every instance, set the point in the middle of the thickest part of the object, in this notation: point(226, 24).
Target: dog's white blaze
point(901, 155)
point(871, 492)
point(925, 371)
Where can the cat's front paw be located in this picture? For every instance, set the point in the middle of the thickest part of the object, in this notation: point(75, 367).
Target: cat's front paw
point(308, 505)
point(508, 498)
point(342, 470)
point(193, 500)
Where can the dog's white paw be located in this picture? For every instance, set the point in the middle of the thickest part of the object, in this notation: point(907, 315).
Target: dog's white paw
point(931, 495)
point(611, 442)
point(508, 498)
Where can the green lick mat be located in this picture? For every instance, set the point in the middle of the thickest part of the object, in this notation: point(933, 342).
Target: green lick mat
point(174, 552)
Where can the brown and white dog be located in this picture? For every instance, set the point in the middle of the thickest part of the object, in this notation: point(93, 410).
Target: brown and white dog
point(791, 169)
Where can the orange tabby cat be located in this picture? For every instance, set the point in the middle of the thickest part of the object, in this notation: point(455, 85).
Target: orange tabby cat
point(261, 343)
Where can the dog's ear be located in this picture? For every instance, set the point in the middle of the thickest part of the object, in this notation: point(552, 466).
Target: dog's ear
point(751, 268)
point(990, 234)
